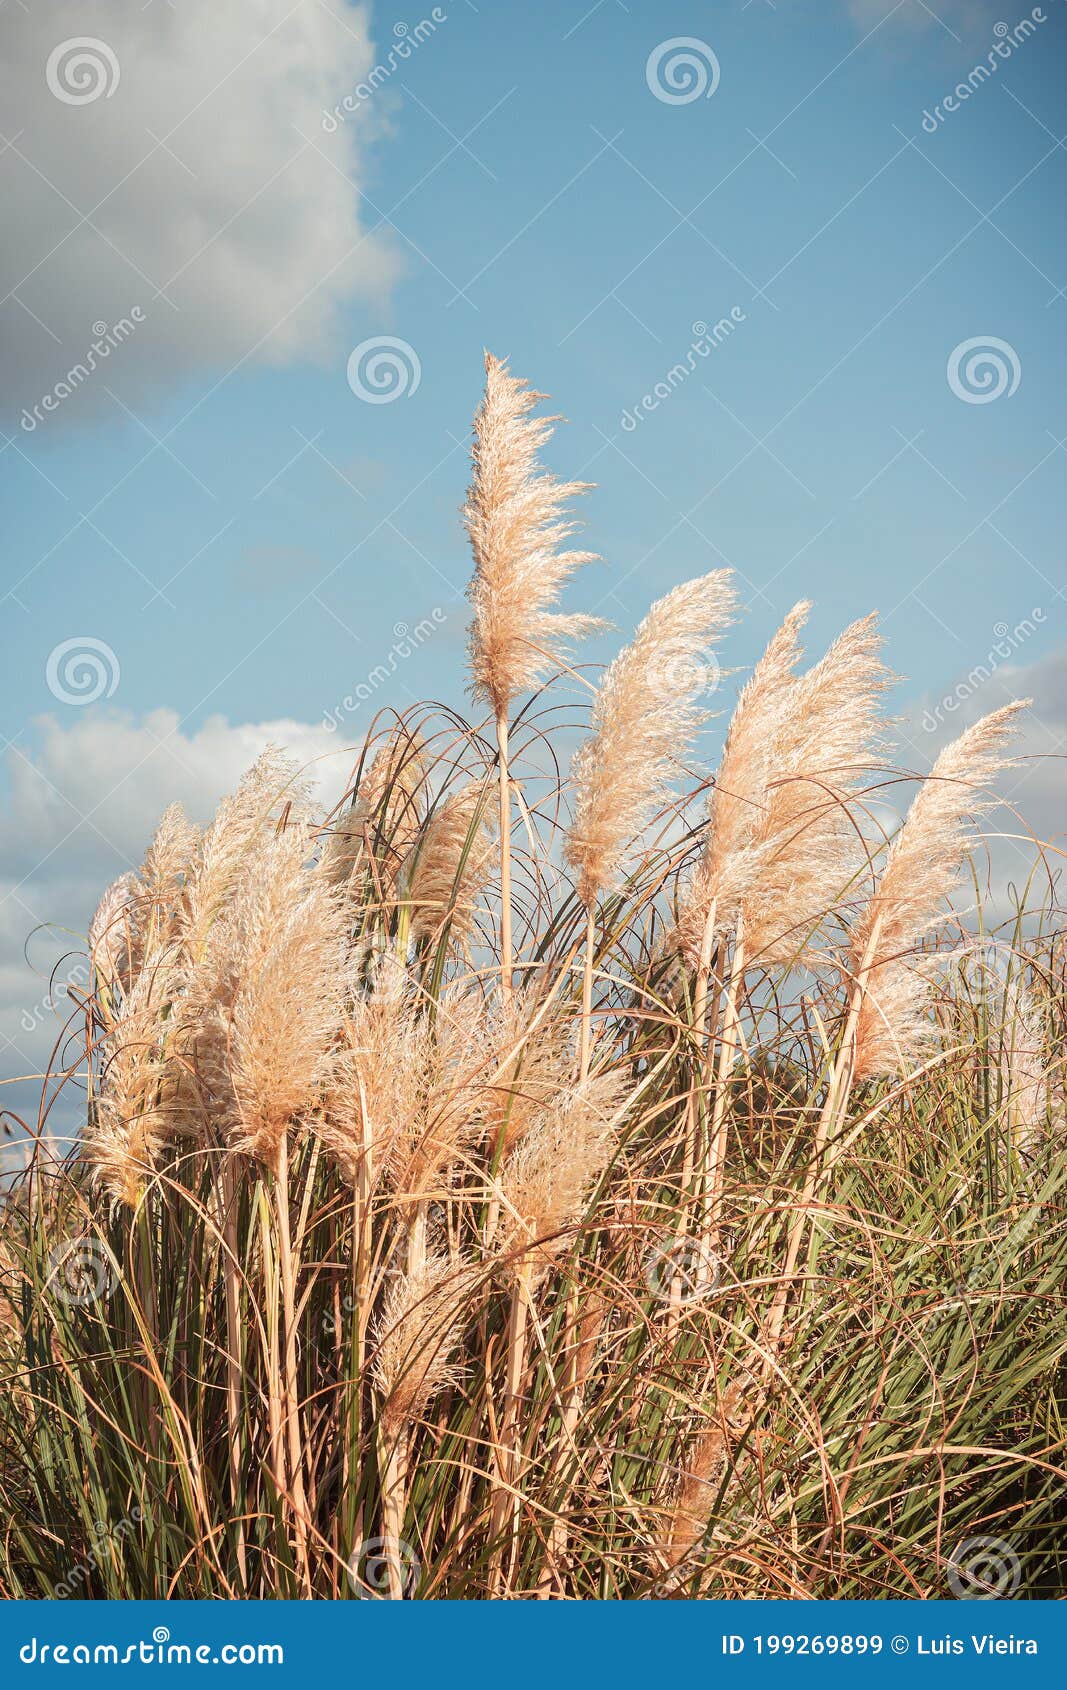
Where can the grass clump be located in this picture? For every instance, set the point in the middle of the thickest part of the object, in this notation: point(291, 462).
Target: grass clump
point(521, 1184)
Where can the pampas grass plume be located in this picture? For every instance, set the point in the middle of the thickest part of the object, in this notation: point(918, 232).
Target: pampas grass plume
point(920, 867)
point(644, 716)
point(518, 532)
point(449, 864)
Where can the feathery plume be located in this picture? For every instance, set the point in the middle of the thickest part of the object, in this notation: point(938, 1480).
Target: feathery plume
point(531, 1061)
point(518, 532)
point(1026, 1078)
point(644, 716)
point(283, 950)
point(448, 865)
point(782, 845)
point(131, 943)
point(164, 876)
point(418, 1077)
point(388, 807)
point(426, 1141)
point(709, 1451)
point(545, 1183)
point(812, 847)
point(736, 805)
point(419, 1327)
point(110, 939)
point(203, 945)
point(131, 1122)
point(920, 867)
point(138, 914)
point(269, 787)
point(379, 1071)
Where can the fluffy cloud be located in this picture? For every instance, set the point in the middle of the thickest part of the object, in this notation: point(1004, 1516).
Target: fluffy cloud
point(79, 810)
point(1035, 811)
point(104, 781)
point(177, 149)
point(964, 19)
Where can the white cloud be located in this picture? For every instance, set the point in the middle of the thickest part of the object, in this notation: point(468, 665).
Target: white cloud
point(952, 21)
point(106, 779)
point(1035, 792)
point(80, 808)
point(255, 237)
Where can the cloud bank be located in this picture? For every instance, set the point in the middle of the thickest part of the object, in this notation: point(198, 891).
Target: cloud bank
point(947, 18)
point(172, 161)
point(79, 808)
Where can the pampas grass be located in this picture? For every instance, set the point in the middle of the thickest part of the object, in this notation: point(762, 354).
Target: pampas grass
point(645, 715)
point(921, 865)
point(783, 844)
point(518, 533)
point(371, 1274)
point(885, 1031)
point(448, 868)
point(518, 527)
point(545, 1181)
point(383, 821)
point(737, 804)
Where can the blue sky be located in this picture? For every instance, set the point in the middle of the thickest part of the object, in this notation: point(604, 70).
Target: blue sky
point(244, 534)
